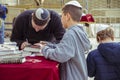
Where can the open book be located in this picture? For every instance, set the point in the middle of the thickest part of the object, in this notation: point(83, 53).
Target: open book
point(32, 48)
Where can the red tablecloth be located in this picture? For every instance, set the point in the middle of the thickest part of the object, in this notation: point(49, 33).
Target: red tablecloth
point(35, 70)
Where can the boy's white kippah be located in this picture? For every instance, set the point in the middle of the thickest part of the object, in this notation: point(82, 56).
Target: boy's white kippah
point(74, 3)
point(102, 27)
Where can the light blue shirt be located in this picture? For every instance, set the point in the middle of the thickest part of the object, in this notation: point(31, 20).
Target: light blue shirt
point(70, 52)
point(1, 31)
point(2, 25)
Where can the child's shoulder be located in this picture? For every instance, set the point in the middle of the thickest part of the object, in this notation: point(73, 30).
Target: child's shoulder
point(94, 52)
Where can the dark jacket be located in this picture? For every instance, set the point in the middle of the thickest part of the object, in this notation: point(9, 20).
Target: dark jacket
point(104, 62)
point(23, 30)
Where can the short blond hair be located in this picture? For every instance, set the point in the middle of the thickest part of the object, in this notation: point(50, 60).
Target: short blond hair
point(106, 33)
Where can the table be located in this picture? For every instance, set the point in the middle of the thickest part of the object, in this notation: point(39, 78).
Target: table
point(35, 68)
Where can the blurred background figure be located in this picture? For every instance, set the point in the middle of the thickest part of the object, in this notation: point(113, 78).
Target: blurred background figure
point(39, 2)
point(3, 12)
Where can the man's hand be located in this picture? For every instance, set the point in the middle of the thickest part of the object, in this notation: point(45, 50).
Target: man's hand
point(24, 44)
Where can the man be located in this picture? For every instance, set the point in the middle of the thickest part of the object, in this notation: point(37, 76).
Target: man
point(3, 12)
point(35, 26)
point(70, 52)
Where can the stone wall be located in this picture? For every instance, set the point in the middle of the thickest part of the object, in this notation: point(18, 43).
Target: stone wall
point(102, 11)
point(57, 4)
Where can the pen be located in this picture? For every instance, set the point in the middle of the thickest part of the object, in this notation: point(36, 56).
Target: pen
point(27, 42)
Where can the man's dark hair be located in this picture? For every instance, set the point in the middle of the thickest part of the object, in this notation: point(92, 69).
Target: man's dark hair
point(74, 11)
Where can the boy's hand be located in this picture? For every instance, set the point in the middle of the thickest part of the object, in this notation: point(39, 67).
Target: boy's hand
point(41, 44)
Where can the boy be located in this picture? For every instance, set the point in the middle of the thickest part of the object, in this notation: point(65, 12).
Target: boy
point(70, 52)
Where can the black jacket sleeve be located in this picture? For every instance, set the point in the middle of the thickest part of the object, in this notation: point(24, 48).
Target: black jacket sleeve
point(18, 31)
point(58, 29)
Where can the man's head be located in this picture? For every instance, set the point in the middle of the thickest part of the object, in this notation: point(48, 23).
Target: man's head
point(71, 11)
point(3, 11)
point(40, 19)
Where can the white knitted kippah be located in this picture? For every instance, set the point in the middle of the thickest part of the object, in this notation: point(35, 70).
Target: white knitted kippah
point(74, 3)
point(102, 27)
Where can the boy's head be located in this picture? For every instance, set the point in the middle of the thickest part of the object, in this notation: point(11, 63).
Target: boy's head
point(105, 33)
point(72, 11)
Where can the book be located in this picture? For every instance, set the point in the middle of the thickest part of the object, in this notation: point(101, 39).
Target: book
point(7, 52)
point(10, 45)
point(32, 48)
point(12, 60)
point(3, 52)
point(8, 49)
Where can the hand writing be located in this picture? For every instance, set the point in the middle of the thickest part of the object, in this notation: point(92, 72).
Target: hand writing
point(24, 44)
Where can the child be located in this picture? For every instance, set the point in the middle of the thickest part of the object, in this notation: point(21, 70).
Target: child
point(104, 62)
point(70, 52)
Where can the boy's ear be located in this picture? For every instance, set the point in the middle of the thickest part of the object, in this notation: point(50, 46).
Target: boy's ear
point(68, 16)
point(98, 39)
point(112, 38)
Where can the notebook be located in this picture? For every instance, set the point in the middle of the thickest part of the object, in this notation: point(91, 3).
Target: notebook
point(32, 48)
